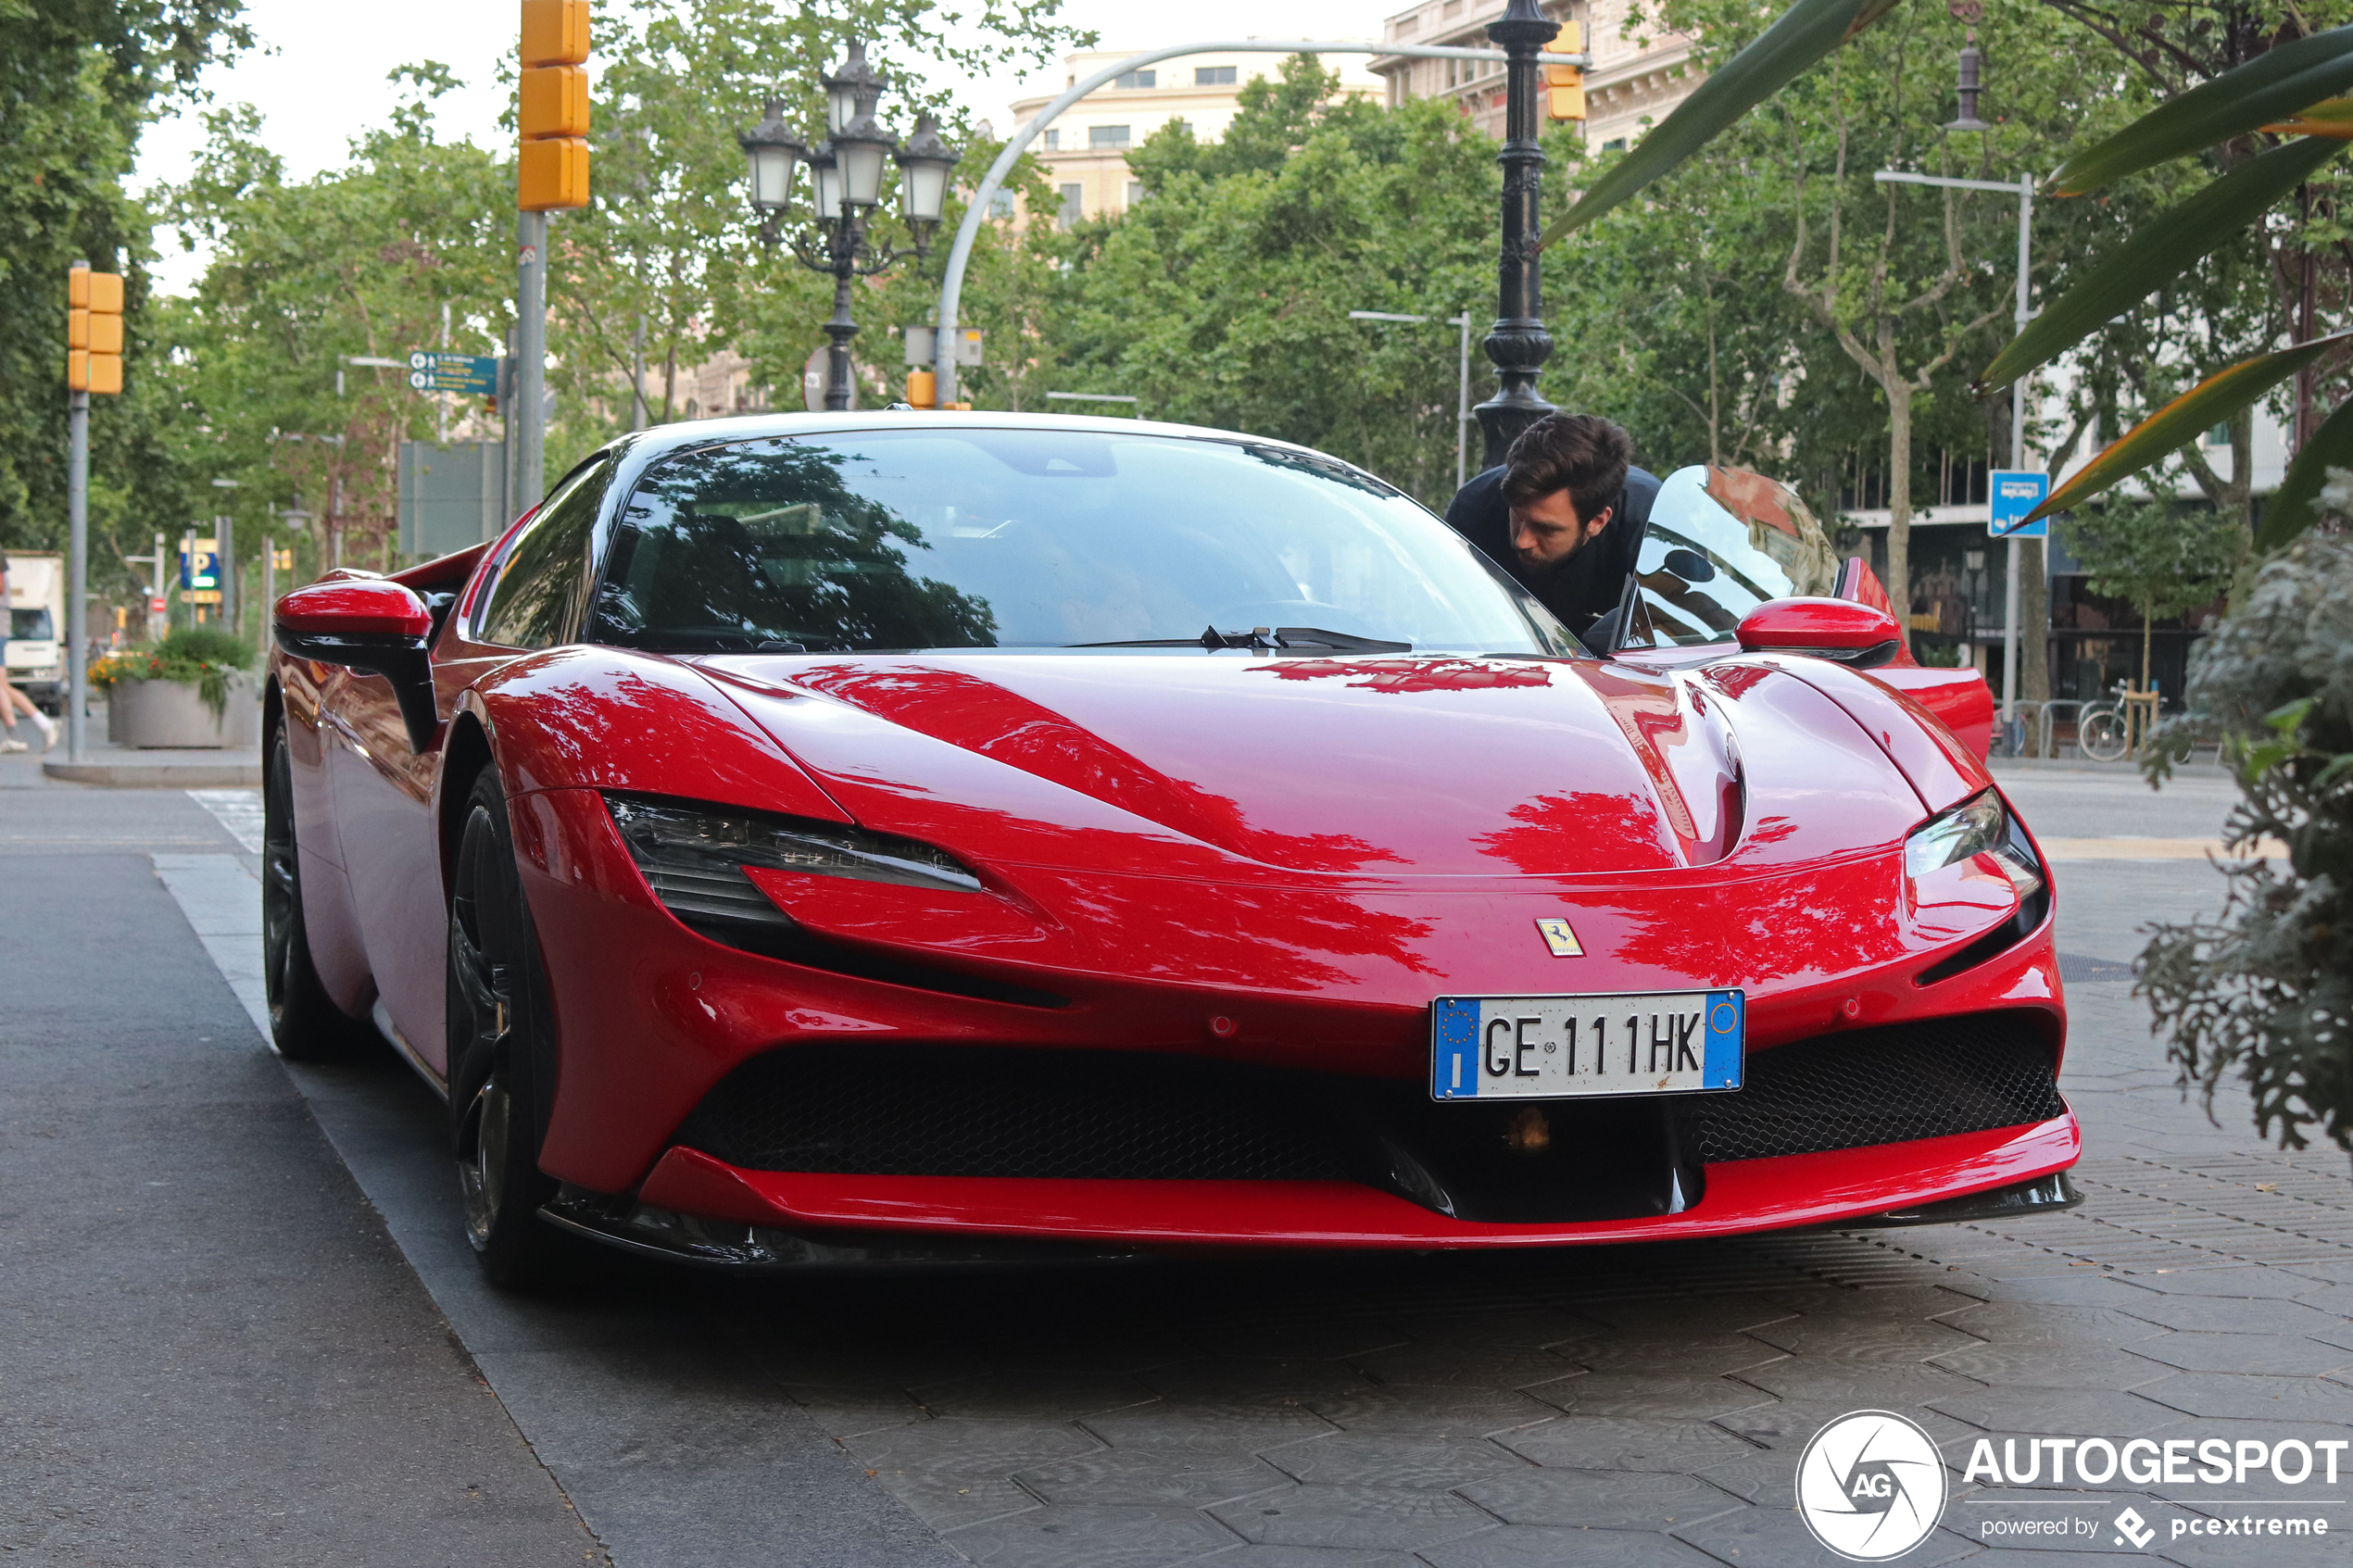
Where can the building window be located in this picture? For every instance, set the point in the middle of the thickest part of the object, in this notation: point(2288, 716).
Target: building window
point(1404, 27)
point(1002, 204)
point(1053, 141)
point(1614, 144)
point(1137, 79)
point(1071, 211)
point(1212, 76)
point(1452, 9)
point(1107, 136)
point(1135, 192)
point(2218, 436)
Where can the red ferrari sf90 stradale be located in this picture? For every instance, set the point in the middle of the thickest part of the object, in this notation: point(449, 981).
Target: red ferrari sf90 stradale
point(871, 836)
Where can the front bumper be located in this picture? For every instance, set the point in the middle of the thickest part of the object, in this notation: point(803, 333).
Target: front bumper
point(655, 1019)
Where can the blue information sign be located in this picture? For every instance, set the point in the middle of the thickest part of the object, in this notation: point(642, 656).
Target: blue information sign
point(2016, 492)
point(472, 373)
point(200, 568)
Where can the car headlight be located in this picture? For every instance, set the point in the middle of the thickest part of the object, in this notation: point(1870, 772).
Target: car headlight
point(1974, 827)
point(693, 856)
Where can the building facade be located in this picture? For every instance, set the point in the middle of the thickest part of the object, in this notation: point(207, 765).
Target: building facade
point(1084, 151)
point(1639, 72)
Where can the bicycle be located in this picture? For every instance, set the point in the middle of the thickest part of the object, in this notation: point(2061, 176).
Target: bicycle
point(2103, 730)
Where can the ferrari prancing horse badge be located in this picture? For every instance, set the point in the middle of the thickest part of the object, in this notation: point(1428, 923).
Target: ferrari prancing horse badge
point(1560, 939)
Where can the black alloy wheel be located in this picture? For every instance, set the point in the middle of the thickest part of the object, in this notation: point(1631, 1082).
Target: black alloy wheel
point(500, 1052)
point(304, 1023)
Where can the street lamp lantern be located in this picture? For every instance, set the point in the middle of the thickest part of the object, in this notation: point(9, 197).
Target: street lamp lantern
point(1968, 13)
point(852, 91)
point(860, 149)
point(774, 154)
point(846, 179)
point(924, 164)
point(825, 169)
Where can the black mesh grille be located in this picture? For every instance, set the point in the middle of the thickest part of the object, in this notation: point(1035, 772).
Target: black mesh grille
point(916, 1110)
point(930, 1110)
point(1925, 1079)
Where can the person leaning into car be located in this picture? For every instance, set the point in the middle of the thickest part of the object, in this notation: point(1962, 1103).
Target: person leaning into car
point(1564, 515)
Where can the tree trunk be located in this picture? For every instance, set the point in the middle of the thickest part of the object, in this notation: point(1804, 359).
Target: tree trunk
point(1899, 497)
point(2034, 622)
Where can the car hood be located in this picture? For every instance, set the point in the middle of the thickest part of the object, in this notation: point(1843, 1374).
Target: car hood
point(1385, 766)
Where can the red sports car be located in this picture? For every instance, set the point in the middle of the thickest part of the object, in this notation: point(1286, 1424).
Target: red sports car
point(837, 836)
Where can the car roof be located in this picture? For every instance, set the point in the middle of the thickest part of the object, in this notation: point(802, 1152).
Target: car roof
point(646, 443)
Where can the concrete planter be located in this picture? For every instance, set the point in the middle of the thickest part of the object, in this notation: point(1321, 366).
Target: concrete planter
point(159, 715)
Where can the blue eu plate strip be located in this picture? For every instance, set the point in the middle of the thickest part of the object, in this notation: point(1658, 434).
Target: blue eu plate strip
point(1721, 1069)
point(1454, 1065)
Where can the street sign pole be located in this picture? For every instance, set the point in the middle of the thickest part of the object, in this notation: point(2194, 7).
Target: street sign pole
point(78, 568)
point(531, 359)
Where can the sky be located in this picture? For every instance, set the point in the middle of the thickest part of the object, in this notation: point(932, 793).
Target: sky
point(314, 99)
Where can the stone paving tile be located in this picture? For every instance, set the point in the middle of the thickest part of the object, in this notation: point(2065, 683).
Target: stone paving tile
point(845, 1412)
point(964, 1444)
point(1529, 1327)
point(1775, 1538)
point(1293, 1340)
point(1788, 1426)
point(2054, 1366)
point(1194, 1477)
point(1169, 1424)
point(2059, 1411)
point(2251, 1396)
point(1364, 1458)
point(1669, 1397)
point(2195, 1350)
point(2222, 1315)
point(1498, 1366)
point(1443, 1409)
point(2019, 1325)
point(1895, 1341)
point(1855, 1386)
point(2247, 1282)
point(1395, 1518)
point(948, 1499)
point(1091, 1538)
point(1048, 1396)
point(1703, 1356)
point(1538, 1546)
point(1238, 1382)
point(1248, 1555)
point(1624, 1443)
point(1615, 1499)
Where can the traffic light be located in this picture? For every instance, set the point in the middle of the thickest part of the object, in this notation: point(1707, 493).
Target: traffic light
point(1564, 85)
point(93, 330)
point(552, 112)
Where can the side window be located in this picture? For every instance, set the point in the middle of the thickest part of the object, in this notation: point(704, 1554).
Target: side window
point(537, 602)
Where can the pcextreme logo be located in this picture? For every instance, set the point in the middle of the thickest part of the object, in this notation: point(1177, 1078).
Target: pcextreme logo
point(1870, 1485)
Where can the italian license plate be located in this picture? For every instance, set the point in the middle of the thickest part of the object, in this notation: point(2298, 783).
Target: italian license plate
point(1586, 1048)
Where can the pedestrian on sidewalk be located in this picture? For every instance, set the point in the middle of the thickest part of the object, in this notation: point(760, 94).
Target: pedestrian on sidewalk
point(1564, 514)
point(12, 699)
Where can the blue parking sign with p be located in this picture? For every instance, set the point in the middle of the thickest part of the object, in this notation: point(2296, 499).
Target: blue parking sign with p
point(2015, 492)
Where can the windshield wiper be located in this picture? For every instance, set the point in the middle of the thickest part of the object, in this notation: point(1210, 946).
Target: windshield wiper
point(1264, 639)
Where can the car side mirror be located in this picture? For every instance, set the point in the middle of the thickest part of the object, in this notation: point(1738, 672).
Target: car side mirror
point(1854, 634)
point(376, 626)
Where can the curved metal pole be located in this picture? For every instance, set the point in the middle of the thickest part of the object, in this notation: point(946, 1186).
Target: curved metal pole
point(952, 285)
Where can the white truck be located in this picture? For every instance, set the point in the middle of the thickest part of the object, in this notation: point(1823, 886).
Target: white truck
point(36, 626)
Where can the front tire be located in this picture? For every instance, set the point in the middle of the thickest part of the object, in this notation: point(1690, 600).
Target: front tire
point(304, 1023)
point(501, 1028)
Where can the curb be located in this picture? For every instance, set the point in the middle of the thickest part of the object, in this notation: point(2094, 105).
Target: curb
point(157, 775)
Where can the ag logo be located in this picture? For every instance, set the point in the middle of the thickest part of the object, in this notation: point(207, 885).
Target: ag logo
point(1870, 1485)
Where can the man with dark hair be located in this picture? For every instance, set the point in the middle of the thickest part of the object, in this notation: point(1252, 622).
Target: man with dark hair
point(1564, 515)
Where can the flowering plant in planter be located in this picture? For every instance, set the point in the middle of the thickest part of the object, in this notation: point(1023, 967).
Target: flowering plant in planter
point(203, 657)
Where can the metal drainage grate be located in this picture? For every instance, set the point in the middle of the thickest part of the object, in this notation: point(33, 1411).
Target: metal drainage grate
point(1922, 1080)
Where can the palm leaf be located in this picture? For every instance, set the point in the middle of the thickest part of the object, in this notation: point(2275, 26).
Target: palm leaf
point(1805, 33)
point(2332, 118)
point(2175, 426)
point(2159, 251)
point(2274, 86)
point(2290, 512)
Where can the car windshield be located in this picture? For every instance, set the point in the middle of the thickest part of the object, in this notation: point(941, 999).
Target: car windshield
point(965, 539)
point(1720, 542)
point(31, 625)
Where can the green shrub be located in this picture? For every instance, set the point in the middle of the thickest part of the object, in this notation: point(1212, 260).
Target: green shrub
point(207, 645)
point(2265, 990)
point(204, 656)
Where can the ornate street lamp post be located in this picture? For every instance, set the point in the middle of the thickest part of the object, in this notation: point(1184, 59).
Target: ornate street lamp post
point(1518, 346)
point(846, 176)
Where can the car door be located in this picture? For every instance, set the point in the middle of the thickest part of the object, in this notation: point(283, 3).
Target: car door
point(384, 792)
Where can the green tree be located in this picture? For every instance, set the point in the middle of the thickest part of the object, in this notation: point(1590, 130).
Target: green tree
point(2163, 557)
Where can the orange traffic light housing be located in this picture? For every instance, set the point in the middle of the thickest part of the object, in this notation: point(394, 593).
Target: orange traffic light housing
point(1564, 85)
point(552, 108)
point(93, 330)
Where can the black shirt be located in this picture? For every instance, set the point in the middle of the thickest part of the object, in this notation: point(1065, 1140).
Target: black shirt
point(1587, 586)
